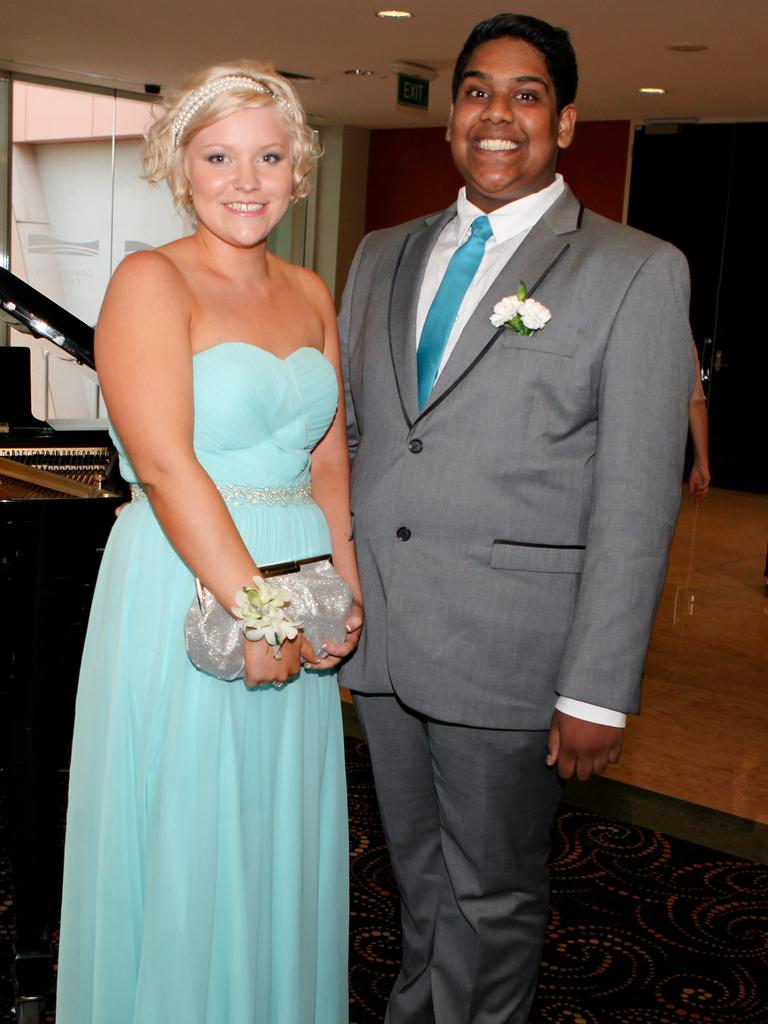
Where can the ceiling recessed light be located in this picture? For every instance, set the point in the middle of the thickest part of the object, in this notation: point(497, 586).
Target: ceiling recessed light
point(394, 15)
point(358, 72)
point(688, 47)
point(652, 90)
point(296, 76)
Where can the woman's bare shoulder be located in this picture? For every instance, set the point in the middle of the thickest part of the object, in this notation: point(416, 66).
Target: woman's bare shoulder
point(151, 275)
point(313, 287)
point(150, 264)
point(147, 285)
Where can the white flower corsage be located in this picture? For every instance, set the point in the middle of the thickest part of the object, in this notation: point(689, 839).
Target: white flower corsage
point(261, 609)
point(520, 314)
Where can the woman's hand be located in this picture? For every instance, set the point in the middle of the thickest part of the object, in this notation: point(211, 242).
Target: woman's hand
point(263, 668)
point(336, 653)
point(699, 480)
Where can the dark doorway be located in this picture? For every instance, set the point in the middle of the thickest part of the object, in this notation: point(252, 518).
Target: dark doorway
point(701, 188)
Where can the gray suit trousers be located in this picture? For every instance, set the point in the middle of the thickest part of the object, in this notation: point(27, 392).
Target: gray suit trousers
point(467, 814)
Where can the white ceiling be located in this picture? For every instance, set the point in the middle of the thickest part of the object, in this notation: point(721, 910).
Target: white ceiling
point(621, 45)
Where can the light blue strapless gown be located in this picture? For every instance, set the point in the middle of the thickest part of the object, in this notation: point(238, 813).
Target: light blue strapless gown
point(207, 844)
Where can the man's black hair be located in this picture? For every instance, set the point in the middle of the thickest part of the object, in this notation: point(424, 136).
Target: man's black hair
point(554, 44)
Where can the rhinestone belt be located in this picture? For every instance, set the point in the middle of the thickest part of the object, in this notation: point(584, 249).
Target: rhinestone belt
point(235, 494)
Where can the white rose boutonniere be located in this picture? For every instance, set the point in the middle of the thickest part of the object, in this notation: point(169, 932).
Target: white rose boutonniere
point(505, 310)
point(520, 314)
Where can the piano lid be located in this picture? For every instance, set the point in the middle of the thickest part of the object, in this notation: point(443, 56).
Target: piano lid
point(28, 310)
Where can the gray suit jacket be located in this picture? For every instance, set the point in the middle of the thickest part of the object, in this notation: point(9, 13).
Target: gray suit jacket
point(538, 490)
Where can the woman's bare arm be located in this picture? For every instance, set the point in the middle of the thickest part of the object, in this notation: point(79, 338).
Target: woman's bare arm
point(146, 377)
point(330, 475)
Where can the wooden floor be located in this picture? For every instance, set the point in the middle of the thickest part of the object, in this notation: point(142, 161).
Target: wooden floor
point(703, 732)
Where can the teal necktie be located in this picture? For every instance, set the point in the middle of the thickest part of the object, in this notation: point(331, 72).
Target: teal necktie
point(446, 304)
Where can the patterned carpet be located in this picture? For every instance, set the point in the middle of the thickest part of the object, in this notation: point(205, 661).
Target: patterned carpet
point(644, 929)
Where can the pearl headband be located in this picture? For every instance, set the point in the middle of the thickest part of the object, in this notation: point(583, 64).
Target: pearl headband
point(199, 98)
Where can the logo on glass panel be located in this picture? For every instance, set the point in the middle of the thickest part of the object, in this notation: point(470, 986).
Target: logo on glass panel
point(43, 245)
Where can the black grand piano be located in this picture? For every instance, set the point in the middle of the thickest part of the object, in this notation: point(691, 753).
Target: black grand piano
point(58, 494)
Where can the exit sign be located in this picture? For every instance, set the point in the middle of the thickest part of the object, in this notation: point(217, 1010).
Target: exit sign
point(413, 92)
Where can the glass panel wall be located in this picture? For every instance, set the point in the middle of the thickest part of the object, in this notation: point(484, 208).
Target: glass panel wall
point(78, 206)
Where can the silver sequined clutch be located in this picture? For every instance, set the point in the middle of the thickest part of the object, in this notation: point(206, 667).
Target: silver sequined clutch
point(320, 600)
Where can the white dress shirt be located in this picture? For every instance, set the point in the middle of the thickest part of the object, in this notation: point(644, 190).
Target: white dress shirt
point(510, 225)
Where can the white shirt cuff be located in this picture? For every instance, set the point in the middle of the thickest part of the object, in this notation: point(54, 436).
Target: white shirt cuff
point(591, 712)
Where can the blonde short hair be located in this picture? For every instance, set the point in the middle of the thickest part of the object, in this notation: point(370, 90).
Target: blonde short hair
point(165, 145)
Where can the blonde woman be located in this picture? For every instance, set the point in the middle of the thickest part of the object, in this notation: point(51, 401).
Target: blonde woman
point(206, 855)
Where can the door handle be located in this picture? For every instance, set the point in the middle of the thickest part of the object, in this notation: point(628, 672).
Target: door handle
point(706, 361)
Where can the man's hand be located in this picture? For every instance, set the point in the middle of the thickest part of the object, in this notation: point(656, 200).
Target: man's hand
point(582, 748)
point(336, 653)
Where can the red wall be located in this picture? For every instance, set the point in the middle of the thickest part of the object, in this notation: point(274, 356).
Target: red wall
point(410, 171)
point(595, 165)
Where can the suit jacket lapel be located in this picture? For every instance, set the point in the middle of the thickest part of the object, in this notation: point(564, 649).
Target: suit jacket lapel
point(403, 307)
point(544, 247)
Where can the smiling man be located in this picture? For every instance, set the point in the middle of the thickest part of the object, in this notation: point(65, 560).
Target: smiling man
point(515, 490)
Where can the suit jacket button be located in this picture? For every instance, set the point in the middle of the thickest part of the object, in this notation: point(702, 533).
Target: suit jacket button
point(415, 446)
point(403, 533)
